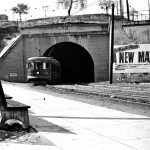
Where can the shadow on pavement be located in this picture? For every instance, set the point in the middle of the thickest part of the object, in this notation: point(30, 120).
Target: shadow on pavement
point(101, 118)
point(43, 125)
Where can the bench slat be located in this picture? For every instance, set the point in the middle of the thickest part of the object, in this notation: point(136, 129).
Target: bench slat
point(2, 97)
point(13, 104)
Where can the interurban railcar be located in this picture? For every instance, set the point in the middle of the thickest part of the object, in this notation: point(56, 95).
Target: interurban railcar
point(43, 70)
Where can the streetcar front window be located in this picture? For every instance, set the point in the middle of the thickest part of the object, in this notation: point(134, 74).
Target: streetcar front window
point(31, 65)
point(39, 65)
point(47, 65)
point(44, 65)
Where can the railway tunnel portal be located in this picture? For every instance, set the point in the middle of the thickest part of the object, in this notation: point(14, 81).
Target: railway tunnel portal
point(77, 65)
point(80, 43)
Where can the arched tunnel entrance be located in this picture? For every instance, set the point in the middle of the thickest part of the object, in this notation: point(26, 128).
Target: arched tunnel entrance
point(76, 63)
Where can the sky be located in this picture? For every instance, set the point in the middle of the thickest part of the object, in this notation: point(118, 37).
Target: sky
point(37, 8)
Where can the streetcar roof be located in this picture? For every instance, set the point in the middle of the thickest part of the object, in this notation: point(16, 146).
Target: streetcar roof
point(49, 59)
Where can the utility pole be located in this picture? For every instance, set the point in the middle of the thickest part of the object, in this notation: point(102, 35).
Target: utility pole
point(121, 8)
point(128, 13)
point(45, 9)
point(149, 9)
point(111, 46)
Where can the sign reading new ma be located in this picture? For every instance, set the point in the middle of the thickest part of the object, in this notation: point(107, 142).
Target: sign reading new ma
point(132, 58)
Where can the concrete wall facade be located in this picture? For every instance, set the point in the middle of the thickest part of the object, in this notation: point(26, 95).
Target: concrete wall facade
point(94, 37)
point(12, 63)
point(132, 34)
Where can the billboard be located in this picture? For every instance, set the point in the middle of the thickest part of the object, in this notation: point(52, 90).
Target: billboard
point(132, 58)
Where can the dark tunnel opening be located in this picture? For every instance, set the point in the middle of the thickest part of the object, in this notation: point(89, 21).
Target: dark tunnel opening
point(76, 63)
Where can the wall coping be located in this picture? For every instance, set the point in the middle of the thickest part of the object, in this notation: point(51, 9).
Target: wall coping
point(76, 19)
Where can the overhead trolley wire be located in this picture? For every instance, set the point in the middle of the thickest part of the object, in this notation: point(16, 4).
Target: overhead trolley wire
point(86, 7)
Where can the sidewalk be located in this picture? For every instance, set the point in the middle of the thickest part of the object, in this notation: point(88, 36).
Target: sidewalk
point(72, 125)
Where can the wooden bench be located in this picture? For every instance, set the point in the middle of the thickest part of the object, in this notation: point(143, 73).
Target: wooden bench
point(11, 109)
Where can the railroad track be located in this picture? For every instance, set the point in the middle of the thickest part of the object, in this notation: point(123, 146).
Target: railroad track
point(126, 94)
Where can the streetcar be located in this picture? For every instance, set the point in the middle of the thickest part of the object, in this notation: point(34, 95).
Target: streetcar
point(43, 70)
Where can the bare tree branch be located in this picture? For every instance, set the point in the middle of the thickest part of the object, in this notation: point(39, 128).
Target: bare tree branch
point(69, 4)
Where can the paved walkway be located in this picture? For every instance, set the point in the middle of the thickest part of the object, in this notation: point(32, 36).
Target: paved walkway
point(72, 125)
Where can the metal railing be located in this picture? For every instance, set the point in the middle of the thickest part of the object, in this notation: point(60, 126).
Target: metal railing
point(138, 15)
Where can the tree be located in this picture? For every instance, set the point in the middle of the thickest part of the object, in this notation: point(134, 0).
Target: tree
point(20, 9)
point(69, 4)
point(106, 4)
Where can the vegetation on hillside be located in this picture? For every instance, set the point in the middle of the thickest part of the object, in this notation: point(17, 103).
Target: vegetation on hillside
point(8, 30)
